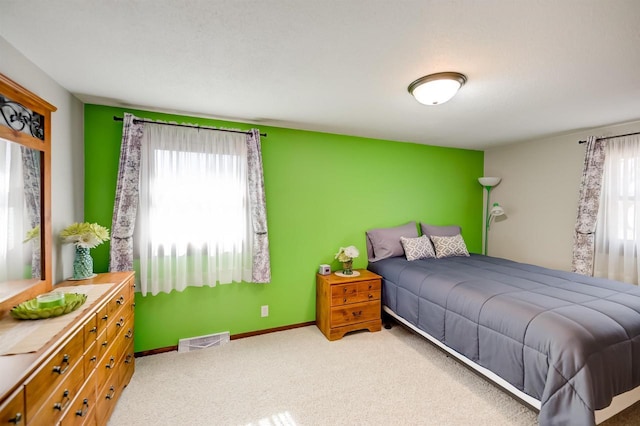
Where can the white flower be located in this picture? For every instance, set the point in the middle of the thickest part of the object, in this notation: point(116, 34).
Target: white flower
point(352, 252)
point(346, 254)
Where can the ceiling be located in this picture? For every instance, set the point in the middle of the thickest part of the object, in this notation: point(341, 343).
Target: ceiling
point(535, 67)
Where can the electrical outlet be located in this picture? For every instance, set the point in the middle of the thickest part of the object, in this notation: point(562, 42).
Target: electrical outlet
point(264, 311)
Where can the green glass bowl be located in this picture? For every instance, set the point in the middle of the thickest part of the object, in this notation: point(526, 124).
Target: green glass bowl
point(30, 310)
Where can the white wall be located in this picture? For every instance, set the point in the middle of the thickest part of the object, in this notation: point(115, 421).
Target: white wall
point(67, 149)
point(539, 192)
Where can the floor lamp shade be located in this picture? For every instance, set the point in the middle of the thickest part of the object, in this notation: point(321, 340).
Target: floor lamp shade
point(488, 182)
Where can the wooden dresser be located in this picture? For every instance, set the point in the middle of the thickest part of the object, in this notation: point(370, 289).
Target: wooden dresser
point(78, 376)
point(345, 304)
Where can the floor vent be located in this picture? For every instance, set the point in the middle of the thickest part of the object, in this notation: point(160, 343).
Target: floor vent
point(202, 342)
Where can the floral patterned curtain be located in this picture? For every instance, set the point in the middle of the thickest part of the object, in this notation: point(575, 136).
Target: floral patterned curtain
point(261, 261)
point(126, 203)
point(588, 203)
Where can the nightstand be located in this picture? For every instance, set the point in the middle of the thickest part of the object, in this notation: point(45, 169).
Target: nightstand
point(345, 304)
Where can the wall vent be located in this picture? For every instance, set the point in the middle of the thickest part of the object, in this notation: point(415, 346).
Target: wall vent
point(202, 342)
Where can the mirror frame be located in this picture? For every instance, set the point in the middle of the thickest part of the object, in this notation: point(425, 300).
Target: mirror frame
point(23, 291)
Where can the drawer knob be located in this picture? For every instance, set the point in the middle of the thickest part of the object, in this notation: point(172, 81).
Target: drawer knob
point(120, 300)
point(357, 314)
point(112, 391)
point(105, 343)
point(344, 300)
point(93, 358)
point(344, 289)
point(370, 286)
point(17, 419)
point(85, 408)
point(129, 334)
point(105, 317)
point(93, 330)
point(111, 362)
point(128, 359)
point(59, 368)
point(371, 296)
point(62, 405)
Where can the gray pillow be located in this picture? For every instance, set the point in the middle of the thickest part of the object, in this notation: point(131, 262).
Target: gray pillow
point(417, 248)
point(449, 246)
point(385, 242)
point(440, 231)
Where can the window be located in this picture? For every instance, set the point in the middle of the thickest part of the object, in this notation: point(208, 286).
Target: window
point(618, 226)
point(194, 221)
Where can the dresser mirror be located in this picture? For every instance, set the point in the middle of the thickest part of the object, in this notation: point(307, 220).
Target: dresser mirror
point(25, 196)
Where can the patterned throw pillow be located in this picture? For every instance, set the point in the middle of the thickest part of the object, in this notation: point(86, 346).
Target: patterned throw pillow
point(417, 248)
point(449, 246)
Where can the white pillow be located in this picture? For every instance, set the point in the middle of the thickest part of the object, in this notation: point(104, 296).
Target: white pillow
point(449, 246)
point(417, 248)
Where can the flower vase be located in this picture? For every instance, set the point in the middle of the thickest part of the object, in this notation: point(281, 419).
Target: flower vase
point(82, 264)
point(347, 267)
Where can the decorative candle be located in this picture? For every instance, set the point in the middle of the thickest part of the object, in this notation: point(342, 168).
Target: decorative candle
point(50, 300)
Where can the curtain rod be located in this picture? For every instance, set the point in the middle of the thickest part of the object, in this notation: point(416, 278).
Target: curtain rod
point(195, 126)
point(611, 137)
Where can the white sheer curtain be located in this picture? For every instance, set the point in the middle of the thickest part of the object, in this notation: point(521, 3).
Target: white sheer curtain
point(14, 220)
point(618, 226)
point(193, 226)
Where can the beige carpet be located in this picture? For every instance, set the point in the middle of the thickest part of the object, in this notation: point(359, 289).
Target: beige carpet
point(297, 377)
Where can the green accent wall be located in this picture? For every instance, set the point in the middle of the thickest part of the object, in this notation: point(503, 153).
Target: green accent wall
point(323, 191)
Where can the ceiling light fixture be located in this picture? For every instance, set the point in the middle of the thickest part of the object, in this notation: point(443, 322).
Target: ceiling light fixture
point(435, 89)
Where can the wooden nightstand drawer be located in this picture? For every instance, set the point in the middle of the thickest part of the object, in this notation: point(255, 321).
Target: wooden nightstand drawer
point(345, 304)
point(373, 285)
point(355, 313)
point(354, 293)
point(344, 294)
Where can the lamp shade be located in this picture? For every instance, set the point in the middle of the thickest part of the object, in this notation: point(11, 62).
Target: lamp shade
point(496, 210)
point(489, 181)
point(436, 89)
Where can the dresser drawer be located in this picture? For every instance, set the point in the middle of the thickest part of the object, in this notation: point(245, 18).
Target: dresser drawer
point(82, 409)
point(57, 402)
point(90, 331)
point(120, 300)
point(107, 397)
point(108, 362)
point(102, 344)
point(115, 325)
point(90, 359)
point(103, 318)
point(12, 410)
point(127, 366)
point(126, 337)
point(355, 313)
point(54, 371)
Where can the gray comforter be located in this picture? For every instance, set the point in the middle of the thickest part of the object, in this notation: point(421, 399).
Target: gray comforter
point(570, 341)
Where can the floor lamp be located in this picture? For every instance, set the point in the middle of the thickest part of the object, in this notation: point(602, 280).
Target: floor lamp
point(488, 183)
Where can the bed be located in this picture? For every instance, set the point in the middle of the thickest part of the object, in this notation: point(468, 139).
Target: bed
point(564, 343)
